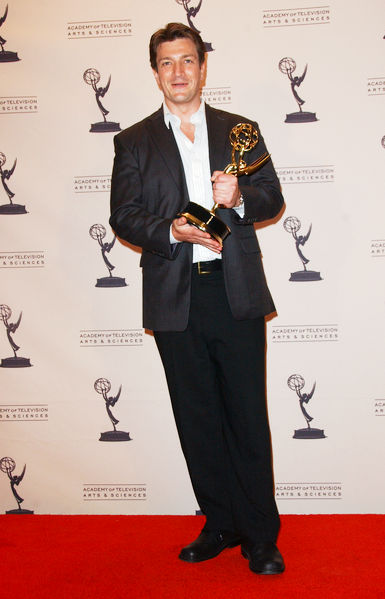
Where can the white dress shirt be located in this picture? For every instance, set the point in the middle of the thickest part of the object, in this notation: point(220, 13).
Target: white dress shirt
point(196, 164)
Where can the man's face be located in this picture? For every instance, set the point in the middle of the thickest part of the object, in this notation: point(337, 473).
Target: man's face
point(179, 75)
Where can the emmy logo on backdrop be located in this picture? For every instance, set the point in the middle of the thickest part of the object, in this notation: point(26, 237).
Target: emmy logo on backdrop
point(8, 465)
point(296, 383)
point(15, 361)
point(243, 138)
point(192, 12)
point(98, 232)
point(6, 55)
point(92, 77)
point(292, 225)
point(11, 207)
point(103, 386)
point(287, 66)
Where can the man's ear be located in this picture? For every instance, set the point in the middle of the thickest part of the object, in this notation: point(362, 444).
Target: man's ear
point(155, 73)
point(204, 71)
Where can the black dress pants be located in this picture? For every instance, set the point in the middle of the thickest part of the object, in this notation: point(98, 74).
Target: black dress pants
point(215, 371)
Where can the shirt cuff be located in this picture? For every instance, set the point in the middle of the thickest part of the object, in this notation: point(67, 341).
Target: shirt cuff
point(172, 238)
point(240, 210)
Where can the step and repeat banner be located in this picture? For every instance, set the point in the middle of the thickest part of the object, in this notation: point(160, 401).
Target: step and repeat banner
point(85, 421)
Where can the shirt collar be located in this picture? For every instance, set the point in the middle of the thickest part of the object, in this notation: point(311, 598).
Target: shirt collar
point(197, 118)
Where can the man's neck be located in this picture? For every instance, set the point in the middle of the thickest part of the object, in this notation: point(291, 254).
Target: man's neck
point(184, 111)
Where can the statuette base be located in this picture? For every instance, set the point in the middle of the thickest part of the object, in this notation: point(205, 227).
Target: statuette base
point(104, 127)
point(15, 362)
point(301, 117)
point(115, 436)
point(12, 209)
point(111, 282)
point(305, 275)
point(309, 433)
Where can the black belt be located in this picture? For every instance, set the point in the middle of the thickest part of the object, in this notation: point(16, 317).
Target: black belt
point(205, 268)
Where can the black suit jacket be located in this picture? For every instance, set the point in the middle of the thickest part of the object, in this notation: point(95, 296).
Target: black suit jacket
point(148, 189)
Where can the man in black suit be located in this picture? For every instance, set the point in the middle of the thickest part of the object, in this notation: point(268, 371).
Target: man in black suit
point(205, 302)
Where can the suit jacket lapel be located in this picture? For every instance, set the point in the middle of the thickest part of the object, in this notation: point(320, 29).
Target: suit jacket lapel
point(164, 140)
point(218, 138)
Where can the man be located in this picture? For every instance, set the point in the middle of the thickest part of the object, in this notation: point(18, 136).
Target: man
point(205, 303)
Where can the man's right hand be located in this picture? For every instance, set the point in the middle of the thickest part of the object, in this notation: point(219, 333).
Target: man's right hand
point(182, 231)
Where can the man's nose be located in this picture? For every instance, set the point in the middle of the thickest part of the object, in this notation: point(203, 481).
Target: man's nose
point(178, 68)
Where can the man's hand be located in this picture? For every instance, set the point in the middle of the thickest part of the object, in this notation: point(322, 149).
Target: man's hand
point(182, 231)
point(225, 190)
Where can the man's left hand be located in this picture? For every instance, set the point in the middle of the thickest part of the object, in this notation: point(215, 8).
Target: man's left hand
point(225, 189)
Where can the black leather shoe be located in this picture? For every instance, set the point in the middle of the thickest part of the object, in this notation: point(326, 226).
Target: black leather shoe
point(209, 544)
point(264, 558)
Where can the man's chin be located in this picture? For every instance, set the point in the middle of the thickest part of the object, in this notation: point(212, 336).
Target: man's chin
point(180, 94)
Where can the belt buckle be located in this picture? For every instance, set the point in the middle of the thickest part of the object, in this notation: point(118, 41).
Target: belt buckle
point(202, 272)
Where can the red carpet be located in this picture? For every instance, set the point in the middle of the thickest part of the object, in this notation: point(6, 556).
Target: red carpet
point(132, 557)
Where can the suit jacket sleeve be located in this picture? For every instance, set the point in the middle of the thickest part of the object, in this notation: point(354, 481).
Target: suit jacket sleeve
point(131, 218)
point(261, 191)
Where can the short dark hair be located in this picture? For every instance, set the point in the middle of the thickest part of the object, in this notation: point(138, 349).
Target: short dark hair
point(171, 32)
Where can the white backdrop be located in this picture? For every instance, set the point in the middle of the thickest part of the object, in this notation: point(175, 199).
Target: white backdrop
point(329, 331)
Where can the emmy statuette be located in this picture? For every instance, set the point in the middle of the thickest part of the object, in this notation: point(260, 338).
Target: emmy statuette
point(287, 66)
point(296, 383)
point(243, 137)
point(103, 386)
point(8, 465)
point(6, 55)
point(98, 232)
point(292, 225)
point(5, 175)
point(92, 78)
point(14, 361)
